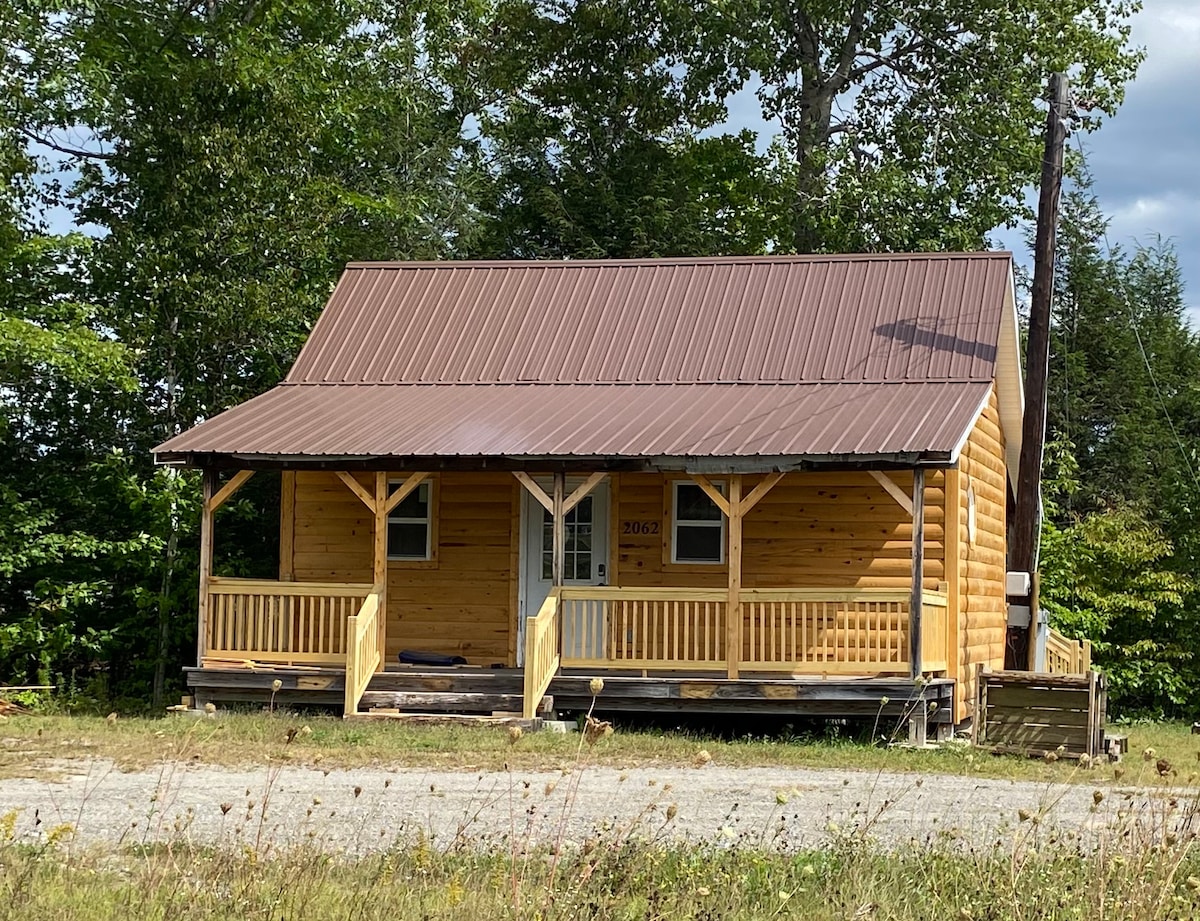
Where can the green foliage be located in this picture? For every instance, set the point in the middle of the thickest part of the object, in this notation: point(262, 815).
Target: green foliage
point(907, 125)
point(595, 151)
point(228, 158)
point(1107, 578)
point(1119, 548)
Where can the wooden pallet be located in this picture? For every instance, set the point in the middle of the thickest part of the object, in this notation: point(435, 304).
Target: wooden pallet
point(1039, 714)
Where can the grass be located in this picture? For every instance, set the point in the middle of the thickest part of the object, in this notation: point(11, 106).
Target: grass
point(31, 745)
point(631, 881)
point(1137, 860)
point(1145, 868)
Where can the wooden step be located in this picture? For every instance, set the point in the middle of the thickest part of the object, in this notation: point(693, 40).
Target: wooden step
point(447, 719)
point(444, 702)
point(466, 682)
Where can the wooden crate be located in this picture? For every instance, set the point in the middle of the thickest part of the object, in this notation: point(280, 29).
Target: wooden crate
point(1037, 713)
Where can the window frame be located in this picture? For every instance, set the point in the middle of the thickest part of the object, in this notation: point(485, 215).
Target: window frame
point(429, 560)
point(675, 521)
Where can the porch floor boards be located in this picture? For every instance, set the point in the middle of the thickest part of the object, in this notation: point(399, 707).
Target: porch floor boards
point(471, 689)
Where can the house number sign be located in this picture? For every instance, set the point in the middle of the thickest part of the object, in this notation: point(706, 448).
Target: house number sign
point(640, 527)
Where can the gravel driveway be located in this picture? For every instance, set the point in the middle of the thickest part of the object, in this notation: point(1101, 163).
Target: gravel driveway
point(369, 809)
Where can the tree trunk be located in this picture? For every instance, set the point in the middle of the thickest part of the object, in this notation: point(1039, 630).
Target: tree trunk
point(163, 644)
point(811, 137)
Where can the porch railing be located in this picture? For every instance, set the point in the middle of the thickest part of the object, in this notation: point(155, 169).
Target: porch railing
point(1067, 657)
point(284, 623)
point(541, 653)
point(797, 631)
point(363, 654)
point(657, 628)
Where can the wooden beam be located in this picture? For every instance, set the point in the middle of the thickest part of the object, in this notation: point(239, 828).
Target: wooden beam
point(1035, 601)
point(918, 573)
point(357, 488)
point(713, 493)
point(581, 492)
point(404, 491)
point(952, 528)
point(225, 493)
point(558, 556)
point(614, 529)
point(514, 572)
point(768, 483)
point(208, 485)
point(733, 625)
point(535, 490)
point(287, 526)
point(890, 487)
point(380, 568)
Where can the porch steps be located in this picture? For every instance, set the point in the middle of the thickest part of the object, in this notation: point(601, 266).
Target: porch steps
point(446, 702)
point(463, 680)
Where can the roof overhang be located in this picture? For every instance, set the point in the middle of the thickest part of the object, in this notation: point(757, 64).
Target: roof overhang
point(568, 463)
point(660, 426)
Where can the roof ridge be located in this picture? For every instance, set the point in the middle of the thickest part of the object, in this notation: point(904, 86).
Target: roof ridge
point(768, 258)
point(874, 382)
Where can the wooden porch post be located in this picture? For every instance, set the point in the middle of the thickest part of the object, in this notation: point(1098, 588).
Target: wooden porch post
point(733, 627)
point(918, 572)
point(558, 555)
point(287, 526)
point(208, 488)
point(381, 562)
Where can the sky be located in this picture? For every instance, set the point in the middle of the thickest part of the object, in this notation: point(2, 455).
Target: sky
point(1146, 160)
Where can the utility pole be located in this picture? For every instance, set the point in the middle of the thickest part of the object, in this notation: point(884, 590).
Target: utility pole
point(1026, 526)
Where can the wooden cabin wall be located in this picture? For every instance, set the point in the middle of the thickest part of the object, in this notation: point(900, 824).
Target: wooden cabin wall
point(982, 565)
point(458, 604)
point(812, 530)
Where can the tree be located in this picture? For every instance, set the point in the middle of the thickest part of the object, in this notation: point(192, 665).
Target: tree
point(1119, 545)
point(1109, 576)
point(907, 125)
point(58, 362)
point(596, 152)
point(233, 156)
point(1124, 383)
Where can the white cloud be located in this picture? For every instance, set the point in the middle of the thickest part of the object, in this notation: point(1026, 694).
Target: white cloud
point(1156, 213)
point(1170, 32)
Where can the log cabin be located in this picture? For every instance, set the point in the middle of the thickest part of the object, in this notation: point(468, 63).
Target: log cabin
point(744, 484)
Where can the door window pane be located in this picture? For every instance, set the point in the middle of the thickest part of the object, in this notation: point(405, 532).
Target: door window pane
point(577, 542)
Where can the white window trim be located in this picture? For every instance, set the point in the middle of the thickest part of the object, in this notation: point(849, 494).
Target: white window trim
point(393, 518)
point(691, 523)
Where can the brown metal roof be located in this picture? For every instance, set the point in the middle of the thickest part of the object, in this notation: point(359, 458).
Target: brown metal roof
point(751, 320)
point(768, 356)
point(594, 420)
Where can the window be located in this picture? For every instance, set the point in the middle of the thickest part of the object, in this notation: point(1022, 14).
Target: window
point(577, 543)
point(697, 525)
point(409, 534)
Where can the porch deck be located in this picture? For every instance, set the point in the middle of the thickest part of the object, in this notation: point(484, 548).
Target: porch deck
point(471, 689)
point(788, 651)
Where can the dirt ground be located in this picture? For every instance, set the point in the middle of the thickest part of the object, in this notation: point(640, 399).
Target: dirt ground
point(370, 808)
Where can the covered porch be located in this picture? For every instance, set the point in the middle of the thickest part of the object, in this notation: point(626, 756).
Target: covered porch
point(332, 636)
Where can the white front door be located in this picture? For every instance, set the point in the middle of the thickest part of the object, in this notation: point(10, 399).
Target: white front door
point(585, 558)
